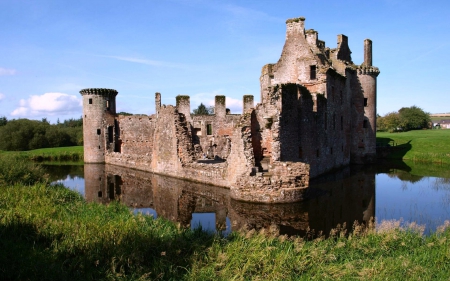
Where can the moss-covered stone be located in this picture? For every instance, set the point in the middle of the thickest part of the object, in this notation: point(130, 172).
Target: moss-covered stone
point(295, 20)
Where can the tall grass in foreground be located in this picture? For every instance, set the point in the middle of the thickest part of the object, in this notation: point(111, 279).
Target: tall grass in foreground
point(51, 233)
point(19, 170)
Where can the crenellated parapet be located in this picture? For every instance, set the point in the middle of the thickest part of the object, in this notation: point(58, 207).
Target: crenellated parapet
point(99, 92)
point(367, 70)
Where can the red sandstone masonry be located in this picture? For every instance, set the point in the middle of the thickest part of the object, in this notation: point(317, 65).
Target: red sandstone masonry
point(317, 113)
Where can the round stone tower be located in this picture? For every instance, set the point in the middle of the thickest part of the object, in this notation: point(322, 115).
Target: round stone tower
point(99, 105)
point(367, 75)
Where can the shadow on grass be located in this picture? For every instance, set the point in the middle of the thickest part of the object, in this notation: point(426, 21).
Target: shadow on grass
point(388, 149)
point(27, 254)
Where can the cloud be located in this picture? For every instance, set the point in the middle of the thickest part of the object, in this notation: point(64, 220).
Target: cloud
point(2, 96)
point(234, 105)
point(208, 99)
point(48, 104)
point(5, 71)
point(148, 62)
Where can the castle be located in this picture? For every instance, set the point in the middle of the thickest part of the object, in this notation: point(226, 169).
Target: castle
point(317, 113)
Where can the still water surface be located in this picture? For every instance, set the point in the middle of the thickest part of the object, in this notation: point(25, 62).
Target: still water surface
point(349, 195)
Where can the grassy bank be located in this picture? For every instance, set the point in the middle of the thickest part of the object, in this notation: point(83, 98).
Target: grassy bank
point(51, 233)
point(70, 153)
point(432, 146)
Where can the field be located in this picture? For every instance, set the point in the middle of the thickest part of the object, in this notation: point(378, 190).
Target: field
point(71, 153)
point(431, 146)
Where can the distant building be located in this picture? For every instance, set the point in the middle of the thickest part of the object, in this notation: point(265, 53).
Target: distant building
point(444, 124)
point(317, 113)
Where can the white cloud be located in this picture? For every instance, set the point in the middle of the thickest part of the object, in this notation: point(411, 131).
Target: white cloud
point(148, 62)
point(5, 71)
point(48, 104)
point(235, 105)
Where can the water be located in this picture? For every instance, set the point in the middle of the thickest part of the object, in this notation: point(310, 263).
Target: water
point(349, 195)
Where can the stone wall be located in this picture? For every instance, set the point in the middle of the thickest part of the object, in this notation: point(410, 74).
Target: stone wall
point(317, 113)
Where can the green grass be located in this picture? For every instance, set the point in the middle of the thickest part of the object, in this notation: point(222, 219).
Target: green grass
point(51, 233)
point(431, 146)
point(70, 153)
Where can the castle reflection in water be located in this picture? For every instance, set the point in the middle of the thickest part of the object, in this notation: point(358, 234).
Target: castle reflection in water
point(342, 197)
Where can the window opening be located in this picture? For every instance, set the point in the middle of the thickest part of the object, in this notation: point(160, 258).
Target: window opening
point(90, 101)
point(99, 131)
point(312, 73)
point(110, 134)
point(209, 129)
point(365, 102)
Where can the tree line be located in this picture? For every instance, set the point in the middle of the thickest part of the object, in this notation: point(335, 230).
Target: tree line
point(25, 134)
point(406, 119)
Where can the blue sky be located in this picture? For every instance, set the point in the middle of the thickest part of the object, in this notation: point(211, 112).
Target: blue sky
point(50, 50)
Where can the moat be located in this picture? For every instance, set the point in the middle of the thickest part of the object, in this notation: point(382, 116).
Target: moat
point(356, 193)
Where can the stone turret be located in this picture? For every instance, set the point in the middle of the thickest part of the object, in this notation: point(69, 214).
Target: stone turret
point(98, 105)
point(367, 76)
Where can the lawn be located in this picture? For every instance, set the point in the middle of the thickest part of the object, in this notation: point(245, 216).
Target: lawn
point(70, 153)
point(419, 145)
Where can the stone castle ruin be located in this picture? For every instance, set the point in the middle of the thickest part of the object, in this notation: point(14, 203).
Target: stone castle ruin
point(317, 113)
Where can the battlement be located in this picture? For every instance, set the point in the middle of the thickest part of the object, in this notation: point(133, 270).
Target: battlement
point(183, 104)
point(367, 70)
point(295, 20)
point(99, 92)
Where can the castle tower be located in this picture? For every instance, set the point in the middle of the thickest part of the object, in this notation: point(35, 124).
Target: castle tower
point(367, 76)
point(98, 105)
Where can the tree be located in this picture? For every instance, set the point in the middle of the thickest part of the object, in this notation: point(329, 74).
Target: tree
point(3, 121)
point(124, 113)
point(203, 110)
point(391, 121)
point(24, 134)
point(413, 118)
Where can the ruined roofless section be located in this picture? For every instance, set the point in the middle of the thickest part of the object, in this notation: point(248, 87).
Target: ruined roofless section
point(317, 113)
